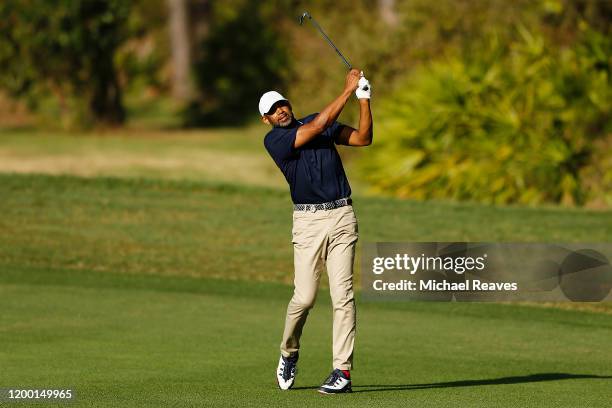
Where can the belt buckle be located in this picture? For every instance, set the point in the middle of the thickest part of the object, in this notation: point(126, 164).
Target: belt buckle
point(313, 208)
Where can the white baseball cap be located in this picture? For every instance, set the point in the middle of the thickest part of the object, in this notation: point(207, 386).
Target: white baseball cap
point(268, 99)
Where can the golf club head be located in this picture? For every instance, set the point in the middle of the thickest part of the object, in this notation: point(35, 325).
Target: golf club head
point(305, 14)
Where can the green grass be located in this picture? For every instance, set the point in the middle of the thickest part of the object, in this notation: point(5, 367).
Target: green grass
point(222, 154)
point(167, 341)
point(229, 231)
point(143, 292)
point(228, 155)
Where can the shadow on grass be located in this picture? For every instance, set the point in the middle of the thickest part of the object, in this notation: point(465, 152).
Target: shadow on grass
point(470, 383)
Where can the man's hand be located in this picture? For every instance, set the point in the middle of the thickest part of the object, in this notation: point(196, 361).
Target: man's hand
point(352, 80)
point(364, 89)
point(362, 136)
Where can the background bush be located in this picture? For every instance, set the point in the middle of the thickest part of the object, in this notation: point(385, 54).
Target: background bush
point(66, 49)
point(504, 121)
point(490, 100)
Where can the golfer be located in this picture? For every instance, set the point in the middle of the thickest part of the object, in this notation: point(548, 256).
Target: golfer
point(324, 224)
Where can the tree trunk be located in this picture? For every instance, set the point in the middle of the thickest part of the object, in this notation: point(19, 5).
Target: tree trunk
point(180, 49)
point(387, 12)
point(106, 103)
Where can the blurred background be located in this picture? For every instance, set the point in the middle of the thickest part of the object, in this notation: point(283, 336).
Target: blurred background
point(145, 232)
point(489, 101)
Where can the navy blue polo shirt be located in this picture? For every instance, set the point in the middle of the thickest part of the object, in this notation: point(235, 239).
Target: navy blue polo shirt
point(314, 171)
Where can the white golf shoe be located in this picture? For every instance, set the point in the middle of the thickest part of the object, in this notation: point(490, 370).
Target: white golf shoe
point(285, 373)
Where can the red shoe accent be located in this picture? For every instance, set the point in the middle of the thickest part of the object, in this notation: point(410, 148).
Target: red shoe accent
point(347, 373)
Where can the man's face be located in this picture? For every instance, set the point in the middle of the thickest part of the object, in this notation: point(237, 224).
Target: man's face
point(280, 114)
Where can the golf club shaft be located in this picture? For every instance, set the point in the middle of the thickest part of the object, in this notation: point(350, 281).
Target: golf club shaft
point(348, 64)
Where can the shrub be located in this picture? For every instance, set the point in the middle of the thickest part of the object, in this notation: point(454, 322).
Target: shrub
point(504, 121)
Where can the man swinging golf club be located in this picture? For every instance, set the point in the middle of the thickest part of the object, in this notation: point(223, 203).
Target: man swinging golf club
point(324, 224)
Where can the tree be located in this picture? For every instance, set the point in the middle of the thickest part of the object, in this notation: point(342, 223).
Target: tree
point(242, 55)
point(388, 12)
point(66, 48)
point(180, 49)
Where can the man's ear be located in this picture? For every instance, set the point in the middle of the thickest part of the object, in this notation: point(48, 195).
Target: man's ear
point(265, 120)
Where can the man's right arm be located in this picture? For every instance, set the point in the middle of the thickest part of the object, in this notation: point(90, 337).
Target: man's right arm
point(327, 116)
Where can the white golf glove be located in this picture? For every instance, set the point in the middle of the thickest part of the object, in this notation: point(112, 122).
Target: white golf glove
point(364, 89)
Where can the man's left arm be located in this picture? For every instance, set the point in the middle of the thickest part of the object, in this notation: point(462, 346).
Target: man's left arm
point(363, 136)
point(358, 137)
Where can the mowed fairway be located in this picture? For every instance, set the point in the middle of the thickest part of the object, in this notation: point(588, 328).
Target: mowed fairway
point(172, 293)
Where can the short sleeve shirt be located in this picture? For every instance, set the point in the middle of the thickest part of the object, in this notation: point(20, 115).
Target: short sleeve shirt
point(314, 171)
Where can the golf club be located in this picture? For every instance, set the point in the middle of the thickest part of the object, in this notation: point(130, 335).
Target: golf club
point(307, 14)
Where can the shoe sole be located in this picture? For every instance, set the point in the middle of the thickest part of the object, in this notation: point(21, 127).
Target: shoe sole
point(326, 392)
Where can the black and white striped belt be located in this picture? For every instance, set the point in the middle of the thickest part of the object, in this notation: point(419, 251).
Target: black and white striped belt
point(323, 206)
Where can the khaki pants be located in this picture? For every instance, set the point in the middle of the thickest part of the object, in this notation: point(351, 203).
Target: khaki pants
point(324, 238)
